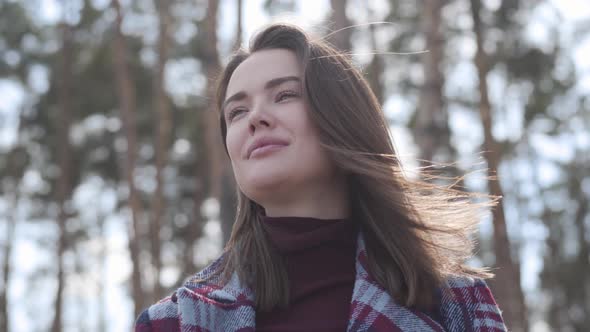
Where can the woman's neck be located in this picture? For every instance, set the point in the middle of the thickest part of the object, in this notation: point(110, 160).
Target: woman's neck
point(322, 202)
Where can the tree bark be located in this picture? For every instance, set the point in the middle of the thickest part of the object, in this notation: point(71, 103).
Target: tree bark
point(207, 143)
point(342, 32)
point(228, 199)
point(127, 108)
point(163, 126)
point(376, 66)
point(432, 131)
point(212, 66)
point(195, 226)
point(64, 185)
point(238, 40)
point(7, 253)
point(221, 181)
point(6, 266)
point(582, 261)
point(102, 278)
point(507, 288)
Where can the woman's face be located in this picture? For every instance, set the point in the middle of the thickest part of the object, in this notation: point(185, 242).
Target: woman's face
point(264, 105)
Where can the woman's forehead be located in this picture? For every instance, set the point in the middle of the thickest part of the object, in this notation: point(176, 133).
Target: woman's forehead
point(261, 67)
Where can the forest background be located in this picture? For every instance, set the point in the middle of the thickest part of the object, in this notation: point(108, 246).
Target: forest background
point(115, 186)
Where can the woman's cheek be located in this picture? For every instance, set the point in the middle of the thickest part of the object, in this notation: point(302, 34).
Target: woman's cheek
point(232, 147)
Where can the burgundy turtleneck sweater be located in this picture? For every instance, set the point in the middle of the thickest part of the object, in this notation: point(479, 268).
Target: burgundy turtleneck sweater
point(320, 261)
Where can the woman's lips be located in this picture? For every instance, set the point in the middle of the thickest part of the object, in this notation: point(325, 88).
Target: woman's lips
point(265, 150)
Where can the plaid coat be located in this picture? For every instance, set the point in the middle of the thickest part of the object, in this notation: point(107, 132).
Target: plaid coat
point(465, 305)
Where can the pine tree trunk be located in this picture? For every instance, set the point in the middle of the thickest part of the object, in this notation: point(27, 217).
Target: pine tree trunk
point(376, 66)
point(212, 66)
point(64, 160)
point(102, 279)
point(238, 40)
point(220, 186)
point(6, 266)
point(582, 261)
point(127, 101)
point(7, 253)
point(432, 133)
point(228, 200)
point(163, 126)
point(208, 170)
point(341, 32)
point(195, 226)
point(507, 288)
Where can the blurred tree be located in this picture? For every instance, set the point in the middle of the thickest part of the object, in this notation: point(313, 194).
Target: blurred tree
point(64, 157)
point(127, 100)
point(222, 187)
point(508, 290)
point(535, 78)
point(15, 158)
point(578, 297)
point(229, 200)
point(98, 140)
point(239, 23)
point(431, 126)
point(212, 66)
point(565, 277)
point(10, 225)
point(163, 124)
point(542, 74)
point(46, 137)
point(277, 7)
point(13, 165)
point(341, 26)
point(375, 68)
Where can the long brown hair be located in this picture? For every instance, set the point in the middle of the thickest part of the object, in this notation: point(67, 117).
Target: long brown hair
point(416, 233)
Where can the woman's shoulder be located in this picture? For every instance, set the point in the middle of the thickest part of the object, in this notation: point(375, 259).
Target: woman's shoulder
point(466, 289)
point(467, 304)
point(163, 315)
point(160, 316)
point(209, 274)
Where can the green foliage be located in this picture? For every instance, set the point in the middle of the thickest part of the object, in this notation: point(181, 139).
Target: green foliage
point(541, 77)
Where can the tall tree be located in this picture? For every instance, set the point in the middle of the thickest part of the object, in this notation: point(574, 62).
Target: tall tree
point(221, 181)
point(127, 108)
point(64, 184)
point(507, 287)
point(376, 66)
point(102, 315)
point(342, 33)
point(581, 270)
point(10, 226)
point(14, 164)
point(239, 14)
point(163, 124)
point(431, 131)
point(212, 66)
point(228, 200)
point(565, 278)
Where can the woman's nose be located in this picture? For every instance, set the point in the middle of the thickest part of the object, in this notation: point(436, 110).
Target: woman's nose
point(259, 118)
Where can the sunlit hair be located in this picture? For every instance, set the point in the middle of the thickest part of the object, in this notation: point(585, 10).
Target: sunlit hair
point(416, 233)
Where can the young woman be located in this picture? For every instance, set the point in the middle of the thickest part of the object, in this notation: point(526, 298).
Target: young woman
point(330, 235)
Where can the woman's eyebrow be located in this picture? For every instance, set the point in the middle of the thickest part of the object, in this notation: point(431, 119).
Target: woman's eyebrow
point(237, 96)
point(269, 85)
point(280, 80)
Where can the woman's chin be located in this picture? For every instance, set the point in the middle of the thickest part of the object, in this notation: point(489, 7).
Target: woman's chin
point(263, 186)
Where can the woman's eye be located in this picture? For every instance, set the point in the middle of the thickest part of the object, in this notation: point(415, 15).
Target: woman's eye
point(286, 94)
point(233, 113)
